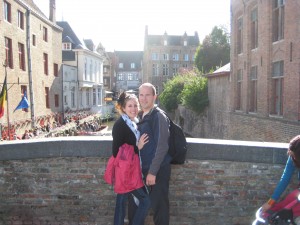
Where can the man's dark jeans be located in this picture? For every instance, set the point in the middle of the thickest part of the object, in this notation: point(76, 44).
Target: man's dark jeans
point(159, 197)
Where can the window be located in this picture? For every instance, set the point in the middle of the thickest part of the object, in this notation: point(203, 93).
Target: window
point(121, 65)
point(45, 57)
point(277, 87)
point(239, 89)
point(155, 69)
point(105, 81)
point(87, 97)
point(184, 43)
point(186, 57)
point(56, 100)
point(175, 69)
point(45, 34)
point(33, 40)
point(175, 57)
point(7, 11)
point(165, 56)
point(80, 98)
point(21, 20)
point(155, 56)
point(85, 70)
point(66, 46)
point(21, 56)
point(105, 70)
point(254, 29)
point(94, 97)
point(165, 42)
point(165, 69)
point(65, 96)
point(240, 36)
point(120, 76)
point(132, 65)
point(278, 19)
point(157, 89)
point(99, 91)
point(8, 53)
point(55, 69)
point(47, 97)
point(130, 76)
point(73, 97)
point(91, 78)
point(253, 89)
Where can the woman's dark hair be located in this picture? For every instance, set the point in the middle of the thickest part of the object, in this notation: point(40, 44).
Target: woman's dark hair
point(294, 146)
point(122, 100)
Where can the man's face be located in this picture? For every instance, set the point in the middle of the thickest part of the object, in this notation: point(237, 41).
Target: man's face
point(146, 98)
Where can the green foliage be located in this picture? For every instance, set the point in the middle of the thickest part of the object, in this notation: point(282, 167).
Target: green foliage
point(170, 97)
point(195, 94)
point(188, 88)
point(214, 52)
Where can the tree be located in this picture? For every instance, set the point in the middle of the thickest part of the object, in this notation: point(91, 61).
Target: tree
point(214, 52)
point(188, 88)
point(170, 97)
point(195, 94)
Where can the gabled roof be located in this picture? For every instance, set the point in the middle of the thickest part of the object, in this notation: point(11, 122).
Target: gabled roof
point(173, 40)
point(225, 68)
point(69, 35)
point(89, 44)
point(67, 39)
point(128, 57)
point(222, 71)
point(30, 5)
point(34, 6)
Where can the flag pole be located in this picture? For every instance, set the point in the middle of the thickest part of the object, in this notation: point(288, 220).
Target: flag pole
point(7, 110)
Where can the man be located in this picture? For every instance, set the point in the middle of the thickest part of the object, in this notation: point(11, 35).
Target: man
point(155, 159)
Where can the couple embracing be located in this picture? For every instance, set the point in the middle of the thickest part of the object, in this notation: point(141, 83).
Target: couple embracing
point(148, 132)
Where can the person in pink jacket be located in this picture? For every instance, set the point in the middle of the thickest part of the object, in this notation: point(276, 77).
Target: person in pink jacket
point(125, 132)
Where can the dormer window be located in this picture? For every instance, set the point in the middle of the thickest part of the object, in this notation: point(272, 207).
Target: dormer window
point(185, 43)
point(66, 46)
point(165, 42)
point(121, 66)
point(132, 65)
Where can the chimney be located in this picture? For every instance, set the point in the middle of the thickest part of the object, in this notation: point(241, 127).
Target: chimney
point(52, 11)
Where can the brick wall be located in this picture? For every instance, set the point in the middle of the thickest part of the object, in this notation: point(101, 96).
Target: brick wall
point(59, 181)
point(235, 126)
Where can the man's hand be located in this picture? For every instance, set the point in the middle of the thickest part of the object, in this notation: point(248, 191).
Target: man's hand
point(150, 179)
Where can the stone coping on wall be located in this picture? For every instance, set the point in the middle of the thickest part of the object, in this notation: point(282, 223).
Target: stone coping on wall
point(100, 146)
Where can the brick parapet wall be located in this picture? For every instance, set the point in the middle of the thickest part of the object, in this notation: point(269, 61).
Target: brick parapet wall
point(59, 181)
point(236, 126)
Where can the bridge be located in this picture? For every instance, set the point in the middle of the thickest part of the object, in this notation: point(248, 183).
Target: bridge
point(59, 181)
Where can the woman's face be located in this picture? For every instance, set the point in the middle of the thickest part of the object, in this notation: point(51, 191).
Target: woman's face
point(131, 108)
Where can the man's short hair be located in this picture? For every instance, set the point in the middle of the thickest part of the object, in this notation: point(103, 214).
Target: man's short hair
point(150, 86)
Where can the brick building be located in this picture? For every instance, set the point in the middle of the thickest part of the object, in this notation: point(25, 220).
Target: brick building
point(165, 55)
point(128, 70)
point(31, 48)
point(258, 100)
point(265, 58)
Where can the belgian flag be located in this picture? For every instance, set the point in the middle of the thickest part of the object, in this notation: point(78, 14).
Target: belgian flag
point(3, 98)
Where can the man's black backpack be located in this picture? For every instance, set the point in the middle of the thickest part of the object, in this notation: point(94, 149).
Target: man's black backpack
point(177, 142)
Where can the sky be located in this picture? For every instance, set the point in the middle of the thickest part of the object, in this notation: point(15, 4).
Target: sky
point(119, 25)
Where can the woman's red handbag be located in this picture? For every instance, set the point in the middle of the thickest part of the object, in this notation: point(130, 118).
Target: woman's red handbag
point(124, 171)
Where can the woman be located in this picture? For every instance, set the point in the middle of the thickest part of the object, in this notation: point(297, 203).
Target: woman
point(125, 131)
point(292, 164)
